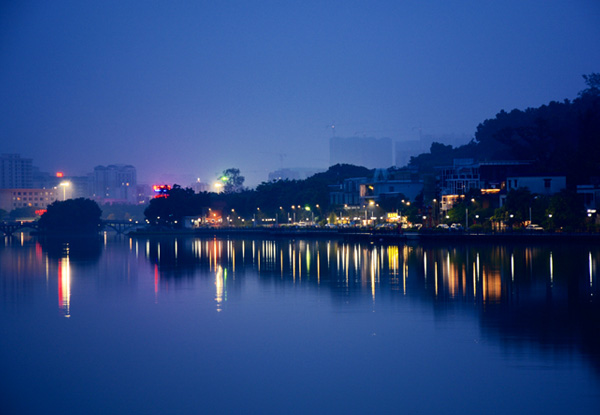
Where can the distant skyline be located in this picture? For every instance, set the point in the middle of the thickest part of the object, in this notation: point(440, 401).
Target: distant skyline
point(183, 90)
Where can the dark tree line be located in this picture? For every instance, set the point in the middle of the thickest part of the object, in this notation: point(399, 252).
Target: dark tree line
point(560, 138)
point(268, 199)
point(71, 216)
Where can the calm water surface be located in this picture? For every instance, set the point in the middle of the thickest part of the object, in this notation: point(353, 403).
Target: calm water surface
point(184, 325)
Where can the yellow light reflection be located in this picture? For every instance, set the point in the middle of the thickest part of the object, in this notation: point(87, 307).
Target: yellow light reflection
point(318, 267)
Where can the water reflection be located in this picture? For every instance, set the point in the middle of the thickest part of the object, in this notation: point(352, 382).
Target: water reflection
point(542, 294)
point(479, 274)
point(64, 286)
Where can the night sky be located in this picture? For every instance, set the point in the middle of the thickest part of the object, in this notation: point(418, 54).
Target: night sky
point(187, 89)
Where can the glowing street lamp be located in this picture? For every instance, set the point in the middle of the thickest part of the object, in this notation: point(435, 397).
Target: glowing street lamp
point(64, 185)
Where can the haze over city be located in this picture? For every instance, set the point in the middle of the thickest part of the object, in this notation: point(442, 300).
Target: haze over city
point(183, 90)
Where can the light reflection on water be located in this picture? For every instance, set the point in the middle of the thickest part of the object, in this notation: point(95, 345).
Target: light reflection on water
point(454, 272)
point(542, 299)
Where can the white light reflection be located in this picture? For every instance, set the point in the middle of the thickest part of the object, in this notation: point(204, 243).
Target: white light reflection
point(512, 266)
point(374, 262)
point(591, 269)
point(435, 268)
point(551, 268)
point(64, 286)
point(220, 286)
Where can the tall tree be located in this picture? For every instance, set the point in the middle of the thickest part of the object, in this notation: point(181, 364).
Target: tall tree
point(233, 181)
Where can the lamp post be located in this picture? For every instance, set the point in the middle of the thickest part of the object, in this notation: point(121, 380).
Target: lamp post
point(64, 185)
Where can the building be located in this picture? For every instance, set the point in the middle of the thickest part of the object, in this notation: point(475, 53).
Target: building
point(369, 152)
point(465, 175)
point(15, 172)
point(347, 193)
point(389, 183)
point(116, 183)
point(541, 185)
point(385, 183)
point(80, 186)
point(591, 195)
point(18, 198)
point(459, 178)
point(200, 186)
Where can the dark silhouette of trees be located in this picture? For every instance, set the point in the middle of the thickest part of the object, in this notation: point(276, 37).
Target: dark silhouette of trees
point(561, 138)
point(593, 82)
point(233, 181)
point(71, 216)
point(179, 202)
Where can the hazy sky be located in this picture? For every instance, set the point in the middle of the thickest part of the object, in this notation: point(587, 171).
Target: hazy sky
point(188, 89)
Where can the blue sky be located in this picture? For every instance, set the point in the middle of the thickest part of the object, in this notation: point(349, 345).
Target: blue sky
point(188, 89)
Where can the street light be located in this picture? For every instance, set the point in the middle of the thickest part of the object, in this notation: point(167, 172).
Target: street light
point(64, 185)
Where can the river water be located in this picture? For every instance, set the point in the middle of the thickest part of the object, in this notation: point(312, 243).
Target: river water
point(214, 325)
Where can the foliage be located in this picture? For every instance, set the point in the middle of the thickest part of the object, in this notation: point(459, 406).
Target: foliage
point(593, 85)
point(178, 203)
point(233, 181)
point(122, 211)
point(393, 203)
point(559, 138)
point(567, 212)
point(72, 216)
point(22, 213)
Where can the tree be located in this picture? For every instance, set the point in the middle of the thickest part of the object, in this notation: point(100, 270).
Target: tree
point(178, 203)
point(566, 211)
point(593, 82)
point(233, 181)
point(27, 212)
point(72, 216)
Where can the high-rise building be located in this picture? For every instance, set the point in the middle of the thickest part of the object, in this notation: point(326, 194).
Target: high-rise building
point(369, 152)
point(116, 183)
point(15, 172)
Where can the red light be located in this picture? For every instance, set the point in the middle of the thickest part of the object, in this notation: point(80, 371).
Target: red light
point(40, 212)
point(161, 190)
point(59, 174)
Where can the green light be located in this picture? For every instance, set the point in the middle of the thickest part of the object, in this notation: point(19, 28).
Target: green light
point(307, 207)
point(224, 178)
